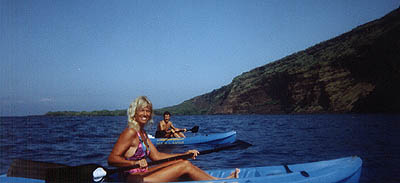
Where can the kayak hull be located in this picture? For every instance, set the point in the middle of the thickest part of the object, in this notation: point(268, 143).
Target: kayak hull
point(216, 138)
point(343, 170)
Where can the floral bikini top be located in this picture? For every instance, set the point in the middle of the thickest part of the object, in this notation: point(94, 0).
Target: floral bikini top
point(141, 152)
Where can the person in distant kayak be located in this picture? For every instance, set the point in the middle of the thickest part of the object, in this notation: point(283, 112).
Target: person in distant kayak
point(166, 129)
point(133, 147)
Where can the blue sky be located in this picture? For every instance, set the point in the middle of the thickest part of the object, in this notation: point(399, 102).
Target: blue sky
point(95, 55)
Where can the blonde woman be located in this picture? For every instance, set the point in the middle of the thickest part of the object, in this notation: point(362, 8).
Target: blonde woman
point(133, 147)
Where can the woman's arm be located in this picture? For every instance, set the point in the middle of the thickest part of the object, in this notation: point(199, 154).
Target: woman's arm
point(124, 142)
point(157, 155)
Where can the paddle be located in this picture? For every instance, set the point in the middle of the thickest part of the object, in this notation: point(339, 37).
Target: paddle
point(30, 169)
point(195, 129)
point(97, 173)
point(160, 134)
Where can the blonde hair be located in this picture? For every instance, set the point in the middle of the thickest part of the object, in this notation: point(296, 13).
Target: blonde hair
point(139, 102)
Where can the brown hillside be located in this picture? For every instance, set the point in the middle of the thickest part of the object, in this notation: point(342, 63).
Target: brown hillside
point(358, 71)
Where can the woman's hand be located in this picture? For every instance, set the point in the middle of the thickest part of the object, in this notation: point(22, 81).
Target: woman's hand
point(142, 163)
point(194, 152)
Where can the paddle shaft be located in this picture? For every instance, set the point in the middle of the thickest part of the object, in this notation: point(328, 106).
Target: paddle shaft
point(161, 134)
point(184, 156)
point(195, 129)
point(84, 173)
point(97, 173)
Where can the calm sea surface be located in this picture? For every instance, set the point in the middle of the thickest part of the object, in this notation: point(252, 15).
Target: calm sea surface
point(275, 139)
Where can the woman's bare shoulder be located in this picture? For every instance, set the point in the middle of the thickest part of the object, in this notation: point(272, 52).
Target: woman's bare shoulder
point(129, 133)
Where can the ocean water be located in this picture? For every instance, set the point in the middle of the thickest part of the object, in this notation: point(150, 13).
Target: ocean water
point(275, 139)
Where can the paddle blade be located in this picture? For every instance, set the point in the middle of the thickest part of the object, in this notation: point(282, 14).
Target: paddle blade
point(240, 144)
point(31, 169)
point(195, 129)
point(237, 145)
point(82, 173)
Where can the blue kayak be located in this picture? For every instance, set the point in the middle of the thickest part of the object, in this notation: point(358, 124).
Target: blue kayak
point(343, 170)
point(215, 138)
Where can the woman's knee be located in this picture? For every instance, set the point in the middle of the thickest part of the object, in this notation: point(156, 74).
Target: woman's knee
point(185, 164)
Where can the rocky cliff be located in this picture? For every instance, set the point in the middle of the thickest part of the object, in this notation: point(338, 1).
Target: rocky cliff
point(358, 71)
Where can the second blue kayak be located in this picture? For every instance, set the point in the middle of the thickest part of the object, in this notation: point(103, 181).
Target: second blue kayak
point(215, 138)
